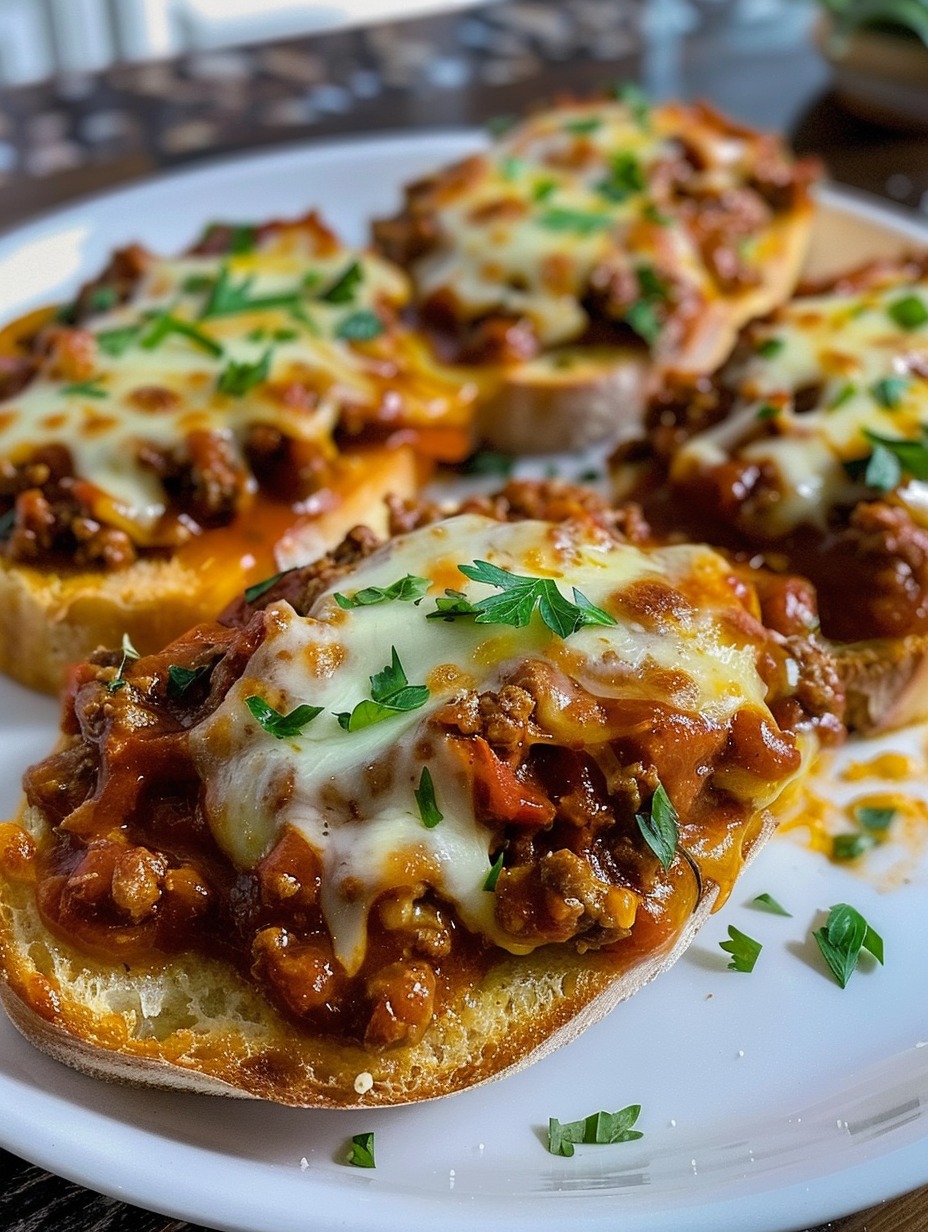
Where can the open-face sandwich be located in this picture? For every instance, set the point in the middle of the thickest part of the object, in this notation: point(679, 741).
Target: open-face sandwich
point(189, 425)
point(594, 243)
point(412, 817)
point(809, 452)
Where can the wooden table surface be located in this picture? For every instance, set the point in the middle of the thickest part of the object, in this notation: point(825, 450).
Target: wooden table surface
point(66, 138)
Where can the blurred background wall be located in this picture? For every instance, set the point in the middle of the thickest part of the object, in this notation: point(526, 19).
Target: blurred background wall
point(41, 38)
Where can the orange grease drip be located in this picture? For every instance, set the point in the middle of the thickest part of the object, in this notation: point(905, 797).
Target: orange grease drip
point(15, 336)
point(892, 766)
point(243, 550)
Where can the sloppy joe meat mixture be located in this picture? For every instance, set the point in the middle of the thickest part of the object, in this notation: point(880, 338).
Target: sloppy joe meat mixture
point(132, 871)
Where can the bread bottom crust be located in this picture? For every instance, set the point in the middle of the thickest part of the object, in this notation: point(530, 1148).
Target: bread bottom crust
point(50, 621)
point(194, 1024)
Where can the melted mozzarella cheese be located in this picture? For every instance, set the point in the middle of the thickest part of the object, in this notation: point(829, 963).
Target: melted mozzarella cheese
point(568, 191)
point(157, 390)
point(351, 793)
point(869, 374)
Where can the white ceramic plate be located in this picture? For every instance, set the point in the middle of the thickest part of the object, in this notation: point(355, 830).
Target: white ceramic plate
point(769, 1102)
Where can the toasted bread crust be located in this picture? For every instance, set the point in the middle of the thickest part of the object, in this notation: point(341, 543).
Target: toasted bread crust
point(195, 1025)
point(545, 406)
point(886, 682)
point(50, 621)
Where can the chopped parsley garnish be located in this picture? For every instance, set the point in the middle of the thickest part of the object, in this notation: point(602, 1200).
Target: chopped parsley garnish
point(625, 178)
point(768, 903)
point(261, 588)
point(635, 99)
point(768, 410)
point(239, 237)
point(558, 218)
point(602, 1129)
point(851, 846)
point(876, 820)
point(299, 313)
point(842, 938)
point(361, 1154)
point(844, 394)
point(409, 589)
point(650, 283)
point(580, 128)
point(770, 347)
point(359, 326)
point(238, 379)
point(643, 319)
point(181, 679)
point(227, 298)
point(659, 828)
point(911, 456)
point(391, 694)
point(454, 603)
point(498, 125)
point(511, 168)
point(889, 391)
point(489, 882)
point(744, 950)
point(544, 190)
point(653, 214)
point(7, 522)
point(643, 316)
point(429, 811)
point(283, 726)
point(165, 324)
point(882, 470)
point(196, 284)
point(129, 655)
point(489, 462)
point(116, 342)
point(85, 389)
point(909, 312)
point(101, 299)
point(343, 289)
point(521, 595)
point(242, 239)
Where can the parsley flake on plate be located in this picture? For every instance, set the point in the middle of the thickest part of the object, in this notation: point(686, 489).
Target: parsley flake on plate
point(767, 902)
point(842, 939)
point(601, 1129)
point(361, 1154)
point(744, 950)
